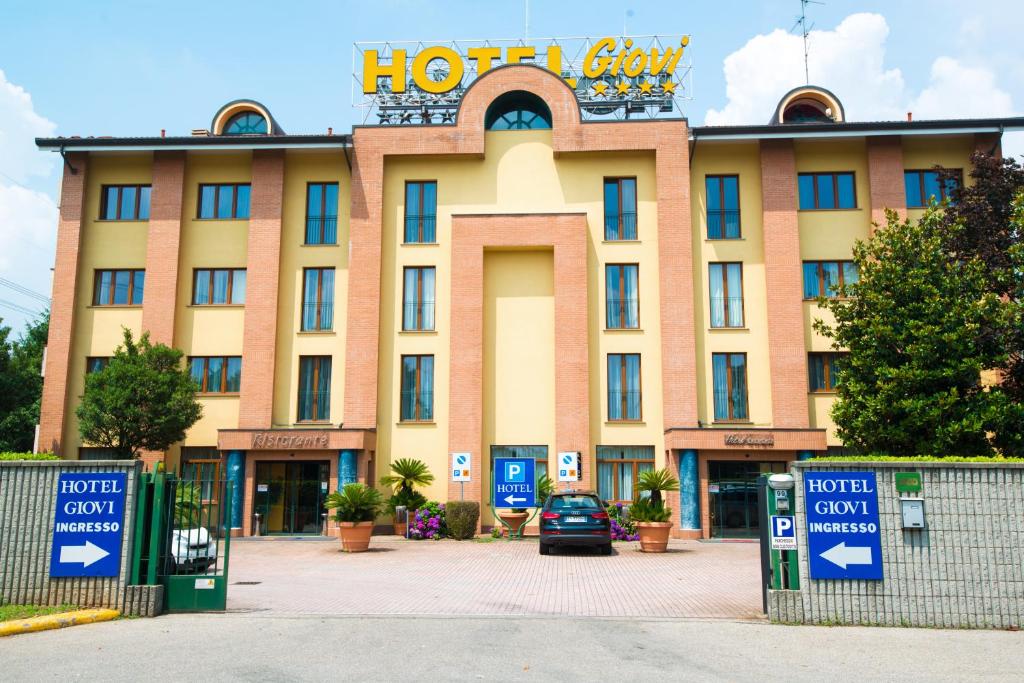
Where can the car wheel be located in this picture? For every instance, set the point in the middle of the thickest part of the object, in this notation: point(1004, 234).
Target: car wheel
point(545, 549)
point(606, 549)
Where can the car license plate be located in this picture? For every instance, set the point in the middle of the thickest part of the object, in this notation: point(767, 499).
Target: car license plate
point(576, 520)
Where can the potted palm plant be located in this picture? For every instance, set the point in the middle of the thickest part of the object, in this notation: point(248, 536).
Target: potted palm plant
point(406, 475)
point(652, 518)
point(355, 506)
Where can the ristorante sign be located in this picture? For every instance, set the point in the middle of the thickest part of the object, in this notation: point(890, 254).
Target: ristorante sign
point(284, 441)
point(627, 77)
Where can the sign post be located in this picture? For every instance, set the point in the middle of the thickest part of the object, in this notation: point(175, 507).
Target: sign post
point(843, 537)
point(88, 524)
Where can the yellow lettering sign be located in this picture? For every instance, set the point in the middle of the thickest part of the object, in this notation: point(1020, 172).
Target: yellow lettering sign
point(372, 70)
point(423, 59)
point(483, 57)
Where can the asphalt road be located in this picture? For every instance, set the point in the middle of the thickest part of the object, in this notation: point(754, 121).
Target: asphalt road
point(239, 647)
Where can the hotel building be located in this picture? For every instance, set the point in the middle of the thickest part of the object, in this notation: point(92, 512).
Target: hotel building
point(517, 281)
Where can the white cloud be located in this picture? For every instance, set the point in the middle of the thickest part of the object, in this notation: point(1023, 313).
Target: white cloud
point(28, 218)
point(850, 61)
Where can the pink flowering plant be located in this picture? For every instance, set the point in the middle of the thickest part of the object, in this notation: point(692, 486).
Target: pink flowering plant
point(623, 528)
point(429, 522)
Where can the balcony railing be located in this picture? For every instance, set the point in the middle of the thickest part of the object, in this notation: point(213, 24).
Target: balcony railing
point(318, 317)
point(620, 226)
point(726, 311)
point(418, 315)
point(724, 224)
point(421, 228)
point(322, 230)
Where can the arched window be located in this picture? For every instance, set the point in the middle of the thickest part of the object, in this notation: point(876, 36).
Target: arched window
point(806, 112)
point(246, 123)
point(518, 111)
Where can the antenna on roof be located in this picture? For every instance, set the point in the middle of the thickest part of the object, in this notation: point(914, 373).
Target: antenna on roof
point(805, 30)
point(526, 26)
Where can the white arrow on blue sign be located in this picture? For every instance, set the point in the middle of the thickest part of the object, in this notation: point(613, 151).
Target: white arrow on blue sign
point(88, 524)
point(843, 536)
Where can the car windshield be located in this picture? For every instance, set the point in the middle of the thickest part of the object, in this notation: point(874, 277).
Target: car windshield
point(575, 503)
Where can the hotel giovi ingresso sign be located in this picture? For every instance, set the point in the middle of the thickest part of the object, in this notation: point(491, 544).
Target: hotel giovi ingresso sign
point(614, 78)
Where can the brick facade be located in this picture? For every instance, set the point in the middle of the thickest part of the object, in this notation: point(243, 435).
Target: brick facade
point(885, 174)
point(259, 342)
point(163, 242)
point(786, 348)
point(62, 307)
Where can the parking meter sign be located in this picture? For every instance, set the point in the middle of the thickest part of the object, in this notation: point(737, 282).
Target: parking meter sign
point(783, 532)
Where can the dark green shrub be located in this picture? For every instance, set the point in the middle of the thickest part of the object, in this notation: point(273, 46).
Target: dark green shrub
point(462, 518)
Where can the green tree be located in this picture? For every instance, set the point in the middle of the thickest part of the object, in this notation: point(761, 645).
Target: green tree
point(143, 400)
point(21, 385)
point(911, 384)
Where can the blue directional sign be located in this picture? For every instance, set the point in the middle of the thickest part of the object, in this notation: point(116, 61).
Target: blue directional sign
point(843, 538)
point(514, 483)
point(88, 524)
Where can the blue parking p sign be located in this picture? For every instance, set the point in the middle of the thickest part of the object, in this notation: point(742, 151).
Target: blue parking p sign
point(783, 532)
point(843, 537)
point(514, 484)
point(88, 524)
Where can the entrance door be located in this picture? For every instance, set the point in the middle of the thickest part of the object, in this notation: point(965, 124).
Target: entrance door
point(733, 496)
point(290, 496)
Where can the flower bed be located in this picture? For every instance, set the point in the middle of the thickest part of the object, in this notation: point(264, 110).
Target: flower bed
point(429, 522)
point(623, 528)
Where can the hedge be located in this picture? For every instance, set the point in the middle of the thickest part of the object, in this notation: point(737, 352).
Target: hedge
point(914, 458)
point(462, 516)
point(28, 456)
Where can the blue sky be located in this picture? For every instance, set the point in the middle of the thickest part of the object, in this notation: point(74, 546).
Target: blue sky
point(132, 68)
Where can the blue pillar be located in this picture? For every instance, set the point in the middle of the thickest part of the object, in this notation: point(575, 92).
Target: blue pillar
point(689, 490)
point(236, 475)
point(804, 455)
point(348, 472)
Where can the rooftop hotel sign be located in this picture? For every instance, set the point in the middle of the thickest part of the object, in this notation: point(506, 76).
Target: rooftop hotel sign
point(618, 78)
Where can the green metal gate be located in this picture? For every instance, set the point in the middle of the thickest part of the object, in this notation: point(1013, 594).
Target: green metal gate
point(183, 540)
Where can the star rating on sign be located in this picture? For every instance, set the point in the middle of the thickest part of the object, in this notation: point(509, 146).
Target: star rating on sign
point(668, 86)
point(622, 87)
point(645, 87)
point(600, 87)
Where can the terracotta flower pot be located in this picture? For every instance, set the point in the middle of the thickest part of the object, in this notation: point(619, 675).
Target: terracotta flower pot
point(355, 536)
point(653, 536)
point(514, 520)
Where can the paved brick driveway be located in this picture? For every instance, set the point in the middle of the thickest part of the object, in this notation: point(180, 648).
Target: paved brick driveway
point(400, 577)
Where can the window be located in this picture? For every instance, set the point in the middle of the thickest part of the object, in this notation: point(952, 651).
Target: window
point(726, 284)
point(619, 209)
point(224, 201)
point(730, 380)
point(924, 186)
point(322, 213)
point(723, 200)
point(417, 389)
point(246, 123)
point(418, 299)
point(827, 191)
point(317, 299)
point(518, 110)
point(220, 286)
point(96, 363)
point(622, 296)
point(118, 287)
point(314, 388)
point(824, 278)
point(125, 202)
point(821, 371)
point(201, 464)
point(216, 374)
point(624, 386)
point(619, 468)
point(421, 212)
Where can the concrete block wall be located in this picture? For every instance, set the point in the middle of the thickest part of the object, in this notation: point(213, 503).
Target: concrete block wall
point(965, 569)
point(28, 498)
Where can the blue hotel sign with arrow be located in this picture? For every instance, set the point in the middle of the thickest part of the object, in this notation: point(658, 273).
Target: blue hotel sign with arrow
point(88, 524)
point(843, 538)
point(514, 483)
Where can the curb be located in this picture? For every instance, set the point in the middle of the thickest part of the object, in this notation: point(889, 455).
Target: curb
point(62, 620)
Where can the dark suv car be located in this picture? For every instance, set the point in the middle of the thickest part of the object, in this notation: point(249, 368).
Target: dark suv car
point(575, 518)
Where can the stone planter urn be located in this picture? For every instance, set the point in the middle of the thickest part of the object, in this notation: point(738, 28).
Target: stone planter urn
point(355, 536)
point(514, 519)
point(653, 536)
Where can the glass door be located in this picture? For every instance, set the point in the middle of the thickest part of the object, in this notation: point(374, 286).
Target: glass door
point(732, 495)
point(289, 496)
